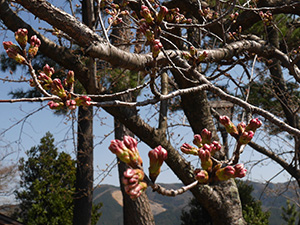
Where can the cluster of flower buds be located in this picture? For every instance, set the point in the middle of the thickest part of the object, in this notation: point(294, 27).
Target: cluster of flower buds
point(267, 17)
point(114, 10)
point(34, 46)
point(229, 172)
point(149, 24)
point(206, 149)
point(157, 156)
point(59, 89)
point(161, 15)
point(193, 57)
point(18, 53)
point(114, 19)
point(201, 176)
point(21, 37)
point(133, 182)
point(243, 133)
point(146, 14)
point(127, 151)
point(156, 46)
point(208, 14)
point(55, 86)
point(234, 16)
point(174, 16)
point(235, 35)
point(13, 51)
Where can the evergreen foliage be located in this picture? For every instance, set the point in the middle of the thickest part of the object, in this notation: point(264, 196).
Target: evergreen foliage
point(196, 215)
point(252, 210)
point(290, 213)
point(47, 186)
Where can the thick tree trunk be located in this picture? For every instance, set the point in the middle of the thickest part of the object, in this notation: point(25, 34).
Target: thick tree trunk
point(84, 172)
point(136, 212)
point(83, 201)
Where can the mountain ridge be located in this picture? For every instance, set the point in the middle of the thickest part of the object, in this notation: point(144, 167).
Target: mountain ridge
point(167, 210)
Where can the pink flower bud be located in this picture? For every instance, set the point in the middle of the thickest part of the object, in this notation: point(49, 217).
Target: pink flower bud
point(156, 46)
point(201, 176)
point(145, 12)
point(58, 89)
point(253, 125)
point(83, 101)
point(215, 147)
point(55, 105)
point(35, 41)
point(197, 140)
point(157, 157)
point(71, 104)
point(204, 154)
point(13, 53)
point(133, 182)
point(206, 136)
point(188, 149)
point(241, 127)
point(117, 147)
point(9, 44)
point(246, 137)
point(206, 162)
point(225, 173)
point(70, 77)
point(46, 81)
point(138, 190)
point(31, 83)
point(206, 147)
point(161, 15)
point(186, 55)
point(125, 154)
point(34, 46)
point(129, 172)
point(193, 51)
point(202, 56)
point(229, 126)
point(130, 143)
point(21, 37)
point(240, 171)
point(48, 70)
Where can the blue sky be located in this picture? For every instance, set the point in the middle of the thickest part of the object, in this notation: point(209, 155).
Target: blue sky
point(29, 132)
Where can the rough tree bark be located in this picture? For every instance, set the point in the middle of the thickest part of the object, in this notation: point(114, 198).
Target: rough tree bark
point(136, 212)
point(83, 200)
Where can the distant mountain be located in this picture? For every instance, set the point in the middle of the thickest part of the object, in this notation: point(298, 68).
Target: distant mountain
point(167, 210)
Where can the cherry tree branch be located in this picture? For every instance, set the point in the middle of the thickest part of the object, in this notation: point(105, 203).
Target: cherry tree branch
point(99, 48)
point(36, 99)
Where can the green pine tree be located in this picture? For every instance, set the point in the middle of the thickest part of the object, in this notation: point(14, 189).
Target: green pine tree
point(47, 186)
point(289, 213)
point(252, 210)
